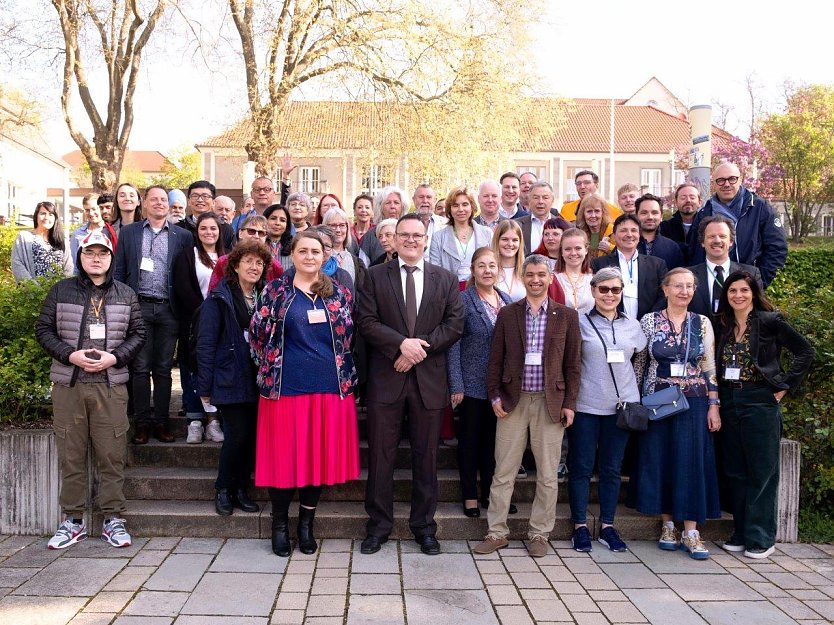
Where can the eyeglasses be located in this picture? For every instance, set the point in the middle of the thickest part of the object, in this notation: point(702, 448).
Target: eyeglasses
point(405, 236)
point(614, 290)
point(682, 287)
point(252, 262)
point(94, 254)
point(327, 248)
point(252, 232)
point(338, 226)
point(200, 196)
point(722, 181)
point(261, 189)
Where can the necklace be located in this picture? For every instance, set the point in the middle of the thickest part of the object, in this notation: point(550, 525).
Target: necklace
point(574, 287)
point(463, 237)
point(496, 306)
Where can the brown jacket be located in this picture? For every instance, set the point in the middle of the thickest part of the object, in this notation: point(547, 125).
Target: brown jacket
point(561, 357)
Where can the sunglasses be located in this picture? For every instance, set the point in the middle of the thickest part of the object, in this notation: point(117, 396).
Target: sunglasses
point(605, 290)
point(252, 232)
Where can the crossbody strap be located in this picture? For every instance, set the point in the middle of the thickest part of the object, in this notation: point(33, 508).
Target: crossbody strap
point(605, 347)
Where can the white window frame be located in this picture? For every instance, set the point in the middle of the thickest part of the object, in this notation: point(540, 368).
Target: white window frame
point(651, 180)
point(309, 179)
point(376, 177)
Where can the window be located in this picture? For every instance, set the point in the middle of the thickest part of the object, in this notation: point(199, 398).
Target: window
point(538, 170)
point(650, 181)
point(570, 185)
point(375, 178)
point(827, 225)
point(309, 182)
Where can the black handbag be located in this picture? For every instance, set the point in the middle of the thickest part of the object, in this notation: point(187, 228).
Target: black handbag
point(670, 400)
point(632, 416)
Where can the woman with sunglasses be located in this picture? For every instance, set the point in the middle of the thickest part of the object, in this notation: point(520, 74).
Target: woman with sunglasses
point(752, 337)
point(609, 342)
point(253, 228)
point(41, 251)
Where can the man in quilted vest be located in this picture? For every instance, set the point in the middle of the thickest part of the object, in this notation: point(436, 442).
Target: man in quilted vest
point(92, 327)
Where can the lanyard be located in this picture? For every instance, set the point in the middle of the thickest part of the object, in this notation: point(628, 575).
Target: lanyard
point(715, 276)
point(97, 307)
point(630, 267)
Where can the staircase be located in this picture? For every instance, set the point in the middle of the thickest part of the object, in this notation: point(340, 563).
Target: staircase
point(170, 492)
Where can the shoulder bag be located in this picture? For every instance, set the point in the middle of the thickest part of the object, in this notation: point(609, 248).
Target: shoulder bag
point(670, 400)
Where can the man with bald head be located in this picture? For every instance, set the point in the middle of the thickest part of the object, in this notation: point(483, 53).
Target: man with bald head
point(759, 241)
point(489, 200)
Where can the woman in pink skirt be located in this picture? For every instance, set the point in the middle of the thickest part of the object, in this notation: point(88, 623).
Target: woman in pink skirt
point(301, 335)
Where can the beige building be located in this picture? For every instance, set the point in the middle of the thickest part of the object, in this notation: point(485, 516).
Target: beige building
point(637, 139)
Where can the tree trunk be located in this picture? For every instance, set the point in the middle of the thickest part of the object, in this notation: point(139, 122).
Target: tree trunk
point(104, 176)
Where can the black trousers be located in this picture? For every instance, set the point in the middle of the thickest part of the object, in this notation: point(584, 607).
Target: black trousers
point(476, 446)
point(237, 455)
point(155, 359)
point(384, 427)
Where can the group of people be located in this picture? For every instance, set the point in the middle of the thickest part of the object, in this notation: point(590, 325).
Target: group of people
point(535, 324)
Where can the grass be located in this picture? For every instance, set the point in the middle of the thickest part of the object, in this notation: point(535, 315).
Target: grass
point(815, 527)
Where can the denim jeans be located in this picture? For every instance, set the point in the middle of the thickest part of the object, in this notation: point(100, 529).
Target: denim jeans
point(156, 358)
point(588, 434)
point(188, 380)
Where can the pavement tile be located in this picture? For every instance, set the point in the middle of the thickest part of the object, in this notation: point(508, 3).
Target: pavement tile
point(595, 581)
point(765, 566)
point(13, 544)
point(530, 580)
point(496, 578)
point(375, 584)
point(789, 564)
point(234, 594)
point(291, 601)
point(766, 589)
point(808, 595)
point(39, 610)
point(741, 613)
point(131, 578)
point(326, 605)
point(569, 552)
point(343, 572)
point(570, 588)
point(164, 543)
point(590, 618)
point(607, 595)
point(108, 602)
point(800, 550)
point(828, 590)
point(815, 579)
point(89, 577)
point(582, 565)
point(86, 618)
point(486, 567)
point(301, 567)
point(446, 546)
point(97, 548)
point(548, 610)
point(746, 575)
point(580, 603)
point(621, 612)
point(662, 605)
point(449, 607)
point(12, 577)
point(221, 620)
point(156, 603)
point(386, 560)
point(710, 588)
point(794, 608)
point(330, 585)
point(540, 594)
point(148, 557)
point(297, 583)
point(329, 545)
point(661, 561)
point(827, 549)
point(143, 620)
point(384, 610)
point(245, 555)
point(521, 565)
point(35, 555)
point(444, 571)
point(724, 559)
point(513, 615)
point(199, 545)
point(504, 595)
point(825, 608)
point(558, 574)
point(181, 571)
point(601, 554)
point(323, 620)
point(632, 576)
point(287, 617)
point(787, 581)
point(333, 560)
point(5, 591)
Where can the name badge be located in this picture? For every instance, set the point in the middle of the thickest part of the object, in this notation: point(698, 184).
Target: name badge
point(715, 306)
point(316, 316)
point(616, 355)
point(534, 358)
point(147, 264)
point(732, 373)
point(246, 336)
point(97, 331)
point(630, 290)
point(677, 369)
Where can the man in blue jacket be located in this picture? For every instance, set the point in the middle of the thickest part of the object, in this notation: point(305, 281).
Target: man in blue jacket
point(760, 240)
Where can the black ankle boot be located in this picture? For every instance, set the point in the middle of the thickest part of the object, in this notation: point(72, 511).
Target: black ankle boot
point(306, 541)
point(223, 502)
point(242, 501)
point(281, 535)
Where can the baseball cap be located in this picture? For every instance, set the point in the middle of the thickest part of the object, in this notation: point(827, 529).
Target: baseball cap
point(96, 237)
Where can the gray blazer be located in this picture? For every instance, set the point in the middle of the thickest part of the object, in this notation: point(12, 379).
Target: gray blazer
point(445, 252)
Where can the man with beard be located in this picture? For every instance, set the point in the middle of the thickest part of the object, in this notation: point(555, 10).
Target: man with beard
point(650, 214)
point(687, 202)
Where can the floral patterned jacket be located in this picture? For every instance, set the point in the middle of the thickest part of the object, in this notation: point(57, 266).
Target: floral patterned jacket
point(266, 335)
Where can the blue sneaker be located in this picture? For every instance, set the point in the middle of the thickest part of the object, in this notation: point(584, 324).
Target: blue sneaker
point(581, 540)
point(609, 537)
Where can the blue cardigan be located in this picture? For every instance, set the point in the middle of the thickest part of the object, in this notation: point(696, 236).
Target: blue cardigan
point(472, 348)
point(225, 371)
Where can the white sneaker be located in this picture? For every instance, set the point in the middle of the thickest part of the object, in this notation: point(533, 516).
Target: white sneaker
point(195, 433)
point(67, 535)
point(214, 433)
point(114, 532)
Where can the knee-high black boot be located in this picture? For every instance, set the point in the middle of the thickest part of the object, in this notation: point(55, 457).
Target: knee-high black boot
point(281, 545)
point(306, 541)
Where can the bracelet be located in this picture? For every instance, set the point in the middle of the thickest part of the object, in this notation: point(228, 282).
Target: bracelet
point(714, 402)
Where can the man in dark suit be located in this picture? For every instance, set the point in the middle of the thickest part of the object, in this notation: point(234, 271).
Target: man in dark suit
point(532, 225)
point(649, 211)
point(144, 261)
point(687, 202)
point(201, 195)
point(409, 313)
point(717, 235)
point(532, 381)
point(642, 275)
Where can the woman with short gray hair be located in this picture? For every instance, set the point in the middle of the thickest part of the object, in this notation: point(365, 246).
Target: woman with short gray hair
point(299, 206)
point(609, 342)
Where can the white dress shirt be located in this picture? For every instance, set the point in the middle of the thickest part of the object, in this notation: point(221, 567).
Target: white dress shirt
point(711, 274)
point(419, 276)
point(536, 230)
point(630, 276)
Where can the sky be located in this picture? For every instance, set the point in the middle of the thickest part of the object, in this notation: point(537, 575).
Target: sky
point(701, 51)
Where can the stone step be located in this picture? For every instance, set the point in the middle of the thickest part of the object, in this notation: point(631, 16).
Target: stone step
point(341, 519)
point(198, 484)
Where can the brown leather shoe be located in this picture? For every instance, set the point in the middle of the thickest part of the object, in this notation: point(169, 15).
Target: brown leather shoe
point(161, 433)
point(140, 436)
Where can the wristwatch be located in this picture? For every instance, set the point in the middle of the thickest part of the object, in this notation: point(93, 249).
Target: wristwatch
point(714, 402)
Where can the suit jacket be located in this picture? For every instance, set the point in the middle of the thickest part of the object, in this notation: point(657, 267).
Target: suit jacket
point(701, 303)
point(381, 319)
point(650, 273)
point(672, 228)
point(526, 224)
point(561, 357)
point(665, 249)
point(129, 255)
point(444, 251)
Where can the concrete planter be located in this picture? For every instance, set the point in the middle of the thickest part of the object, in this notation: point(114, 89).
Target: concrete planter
point(30, 483)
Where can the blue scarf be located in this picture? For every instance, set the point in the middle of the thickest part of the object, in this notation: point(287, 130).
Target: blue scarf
point(329, 268)
point(732, 210)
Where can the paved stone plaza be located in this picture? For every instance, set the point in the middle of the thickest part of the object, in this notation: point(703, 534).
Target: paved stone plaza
point(191, 581)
